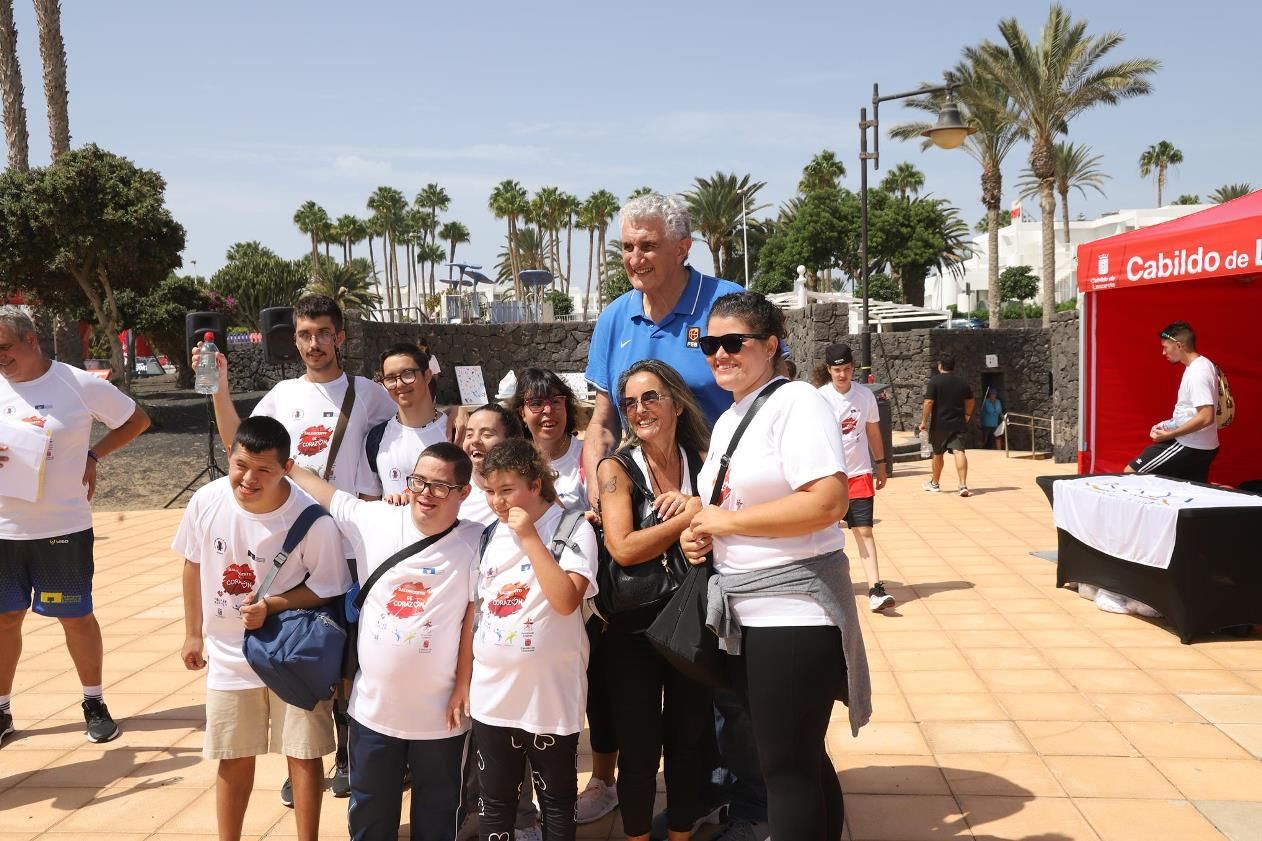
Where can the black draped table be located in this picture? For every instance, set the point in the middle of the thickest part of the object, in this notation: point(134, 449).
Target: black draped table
point(1192, 551)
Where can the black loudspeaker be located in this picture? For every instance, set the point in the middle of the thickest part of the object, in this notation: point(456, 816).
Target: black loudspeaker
point(198, 324)
point(277, 326)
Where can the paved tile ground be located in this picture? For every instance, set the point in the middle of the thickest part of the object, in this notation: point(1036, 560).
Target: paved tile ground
point(1005, 709)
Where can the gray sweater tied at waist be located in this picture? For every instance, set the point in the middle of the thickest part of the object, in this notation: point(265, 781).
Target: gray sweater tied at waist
point(824, 578)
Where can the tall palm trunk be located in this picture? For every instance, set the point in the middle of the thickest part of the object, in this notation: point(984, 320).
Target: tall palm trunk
point(514, 260)
point(602, 271)
point(591, 252)
point(1161, 183)
point(1043, 167)
point(315, 253)
point(569, 252)
point(994, 299)
point(15, 134)
point(52, 51)
point(1064, 212)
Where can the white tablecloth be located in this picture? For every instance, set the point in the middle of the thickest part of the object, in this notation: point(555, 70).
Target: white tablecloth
point(1134, 517)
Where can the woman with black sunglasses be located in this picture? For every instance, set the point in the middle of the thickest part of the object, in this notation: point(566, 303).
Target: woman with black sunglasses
point(782, 600)
point(647, 497)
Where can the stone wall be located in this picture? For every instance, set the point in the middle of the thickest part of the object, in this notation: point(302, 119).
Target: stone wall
point(1064, 360)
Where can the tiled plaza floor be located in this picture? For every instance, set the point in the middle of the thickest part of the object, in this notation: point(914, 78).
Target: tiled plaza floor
point(1005, 709)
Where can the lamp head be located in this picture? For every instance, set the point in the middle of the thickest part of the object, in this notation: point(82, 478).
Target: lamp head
point(949, 132)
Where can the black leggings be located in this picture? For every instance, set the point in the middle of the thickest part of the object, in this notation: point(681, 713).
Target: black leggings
point(601, 732)
point(637, 678)
point(501, 758)
point(790, 676)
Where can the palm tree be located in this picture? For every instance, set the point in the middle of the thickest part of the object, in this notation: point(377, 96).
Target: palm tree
point(531, 254)
point(313, 221)
point(1076, 168)
point(903, 179)
point(354, 230)
point(986, 107)
point(436, 200)
point(545, 212)
point(601, 206)
point(1228, 192)
point(388, 206)
point(1187, 198)
point(454, 233)
point(569, 207)
point(824, 172)
point(431, 253)
point(52, 51)
point(372, 226)
point(716, 206)
point(508, 201)
point(349, 285)
point(1158, 158)
point(11, 91)
point(640, 191)
point(1050, 83)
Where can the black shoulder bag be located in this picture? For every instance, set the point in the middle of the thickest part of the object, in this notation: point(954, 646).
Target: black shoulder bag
point(679, 633)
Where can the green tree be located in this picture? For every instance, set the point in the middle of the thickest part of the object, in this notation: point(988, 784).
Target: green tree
point(83, 228)
point(1018, 283)
point(1187, 198)
point(389, 207)
point(11, 91)
point(562, 304)
point(313, 221)
point(1228, 192)
point(716, 205)
point(598, 211)
point(454, 233)
point(614, 282)
point(913, 237)
point(904, 180)
point(983, 224)
point(257, 278)
point(1051, 82)
point(640, 191)
point(349, 285)
point(569, 206)
point(509, 201)
point(158, 315)
point(1076, 169)
point(824, 172)
point(819, 234)
point(435, 199)
point(1155, 160)
point(881, 287)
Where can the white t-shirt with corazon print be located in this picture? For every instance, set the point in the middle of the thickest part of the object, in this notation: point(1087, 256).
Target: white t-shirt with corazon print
point(570, 484)
point(400, 448)
point(409, 628)
point(854, 410)
point(475, 507)
point(793, 440)
point(530, 662)
point(234, 550)
point(64, 400)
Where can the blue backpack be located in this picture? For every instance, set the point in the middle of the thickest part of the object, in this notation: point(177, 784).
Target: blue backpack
point(298, 653)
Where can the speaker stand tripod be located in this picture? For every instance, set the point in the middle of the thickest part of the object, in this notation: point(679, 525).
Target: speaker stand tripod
point(212, 470)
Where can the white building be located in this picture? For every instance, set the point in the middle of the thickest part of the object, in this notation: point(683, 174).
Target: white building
point(1020, 244)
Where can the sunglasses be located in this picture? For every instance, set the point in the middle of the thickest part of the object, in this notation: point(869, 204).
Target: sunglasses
point(537, 404)
point(730, 342)
point(406, 377)
point(647, 400)
point(438, 490)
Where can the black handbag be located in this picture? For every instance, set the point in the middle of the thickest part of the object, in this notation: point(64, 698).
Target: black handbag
point(680, 633)
point(623, 590)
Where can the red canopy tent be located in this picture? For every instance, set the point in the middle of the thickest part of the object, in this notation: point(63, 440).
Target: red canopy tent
point(1204, 268)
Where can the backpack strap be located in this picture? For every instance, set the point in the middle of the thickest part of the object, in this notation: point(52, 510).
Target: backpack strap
point(487, 533)
point(565, 532)
point(296, 533)
point(694, 469)
point(372, 444)
point(343, 417)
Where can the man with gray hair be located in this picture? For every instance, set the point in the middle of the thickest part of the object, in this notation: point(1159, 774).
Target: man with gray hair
point(46, 536)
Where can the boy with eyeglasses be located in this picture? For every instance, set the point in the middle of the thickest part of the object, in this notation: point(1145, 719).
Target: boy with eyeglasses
point(409, 703)
point(393, 446)
point(309, 408)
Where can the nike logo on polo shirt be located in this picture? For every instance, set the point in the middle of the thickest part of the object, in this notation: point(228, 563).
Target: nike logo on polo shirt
point(624, 344)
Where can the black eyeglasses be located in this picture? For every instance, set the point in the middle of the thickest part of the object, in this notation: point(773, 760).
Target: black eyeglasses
point(730, 342)
point(407, 376)
point(537, 404)
point(647, 400)
point(438, 490)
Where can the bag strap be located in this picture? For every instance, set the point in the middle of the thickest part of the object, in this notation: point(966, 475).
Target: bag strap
point(694, 469)
point(628, 465)
point(565, 532)
point(398, 557)
point(726, 460)
point(343, 417)
point(296, 533)
point(372, 444)
point(486, 538)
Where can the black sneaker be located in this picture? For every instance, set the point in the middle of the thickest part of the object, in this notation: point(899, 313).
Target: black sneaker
point(6, 726)
point(341, 785)
point(101, 727)
point(878, 599)
point(287, 794)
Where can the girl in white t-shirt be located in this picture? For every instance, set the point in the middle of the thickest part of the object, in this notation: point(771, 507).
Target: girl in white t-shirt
point(530, 650)
point(782, 599)
point(548, 410)
point(487, 426)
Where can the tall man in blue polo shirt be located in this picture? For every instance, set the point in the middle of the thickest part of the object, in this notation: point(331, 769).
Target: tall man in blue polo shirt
point(663, 317)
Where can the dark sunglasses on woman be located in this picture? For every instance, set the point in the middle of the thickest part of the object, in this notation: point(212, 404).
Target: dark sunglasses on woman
point(730, 342)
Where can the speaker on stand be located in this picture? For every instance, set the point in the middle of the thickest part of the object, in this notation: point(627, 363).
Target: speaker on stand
point(196, 326)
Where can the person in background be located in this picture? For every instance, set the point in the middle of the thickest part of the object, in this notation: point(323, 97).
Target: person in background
point(548, 410)
point(782, 602)
point(392, 447)
point(1185, 445)
point(946, 413)
point(486, 426)
point(992, 413)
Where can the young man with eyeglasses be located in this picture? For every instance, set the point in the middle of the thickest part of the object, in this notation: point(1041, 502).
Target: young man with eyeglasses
point(409, 703)
point(1184, 446)
point(392, 446)
point(309, 408)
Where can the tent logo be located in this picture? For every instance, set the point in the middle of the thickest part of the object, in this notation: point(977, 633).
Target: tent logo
point(1102, 264)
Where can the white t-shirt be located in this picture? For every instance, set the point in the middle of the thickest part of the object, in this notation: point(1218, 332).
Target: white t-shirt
point(409, 628)
point(1199, 387)
point(400, 447)
point(570, 484)
point(530, 662)
point(793, 440)
point(434, 367)
point(685, 486)
point(310, 411)
point(64, 400)
point(234, 549)
point(854, 410)
point(475, 507)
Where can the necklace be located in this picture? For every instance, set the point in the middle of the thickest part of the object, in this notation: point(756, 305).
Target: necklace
point(657, 484)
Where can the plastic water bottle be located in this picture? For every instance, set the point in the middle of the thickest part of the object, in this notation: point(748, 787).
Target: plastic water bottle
point(206, 379)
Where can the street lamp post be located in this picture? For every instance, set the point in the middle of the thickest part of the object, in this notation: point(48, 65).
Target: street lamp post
point(949, 133)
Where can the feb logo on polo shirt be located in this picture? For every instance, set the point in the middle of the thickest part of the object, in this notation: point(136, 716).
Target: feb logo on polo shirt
point(694, 336)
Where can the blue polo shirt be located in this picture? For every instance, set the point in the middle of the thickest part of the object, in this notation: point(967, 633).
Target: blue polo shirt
point(624, 335)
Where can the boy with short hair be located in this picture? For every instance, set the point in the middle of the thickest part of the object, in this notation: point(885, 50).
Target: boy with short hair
point(231, 531)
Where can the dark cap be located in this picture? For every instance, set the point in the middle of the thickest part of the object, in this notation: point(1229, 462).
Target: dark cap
point(838, 355)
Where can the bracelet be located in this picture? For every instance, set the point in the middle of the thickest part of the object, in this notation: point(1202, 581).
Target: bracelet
point(92, 455)
point(878, 461)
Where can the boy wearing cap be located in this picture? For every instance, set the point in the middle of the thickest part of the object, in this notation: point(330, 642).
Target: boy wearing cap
point(859, 421)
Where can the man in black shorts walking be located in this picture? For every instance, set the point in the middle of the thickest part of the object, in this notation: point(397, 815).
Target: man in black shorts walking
point(947, 409)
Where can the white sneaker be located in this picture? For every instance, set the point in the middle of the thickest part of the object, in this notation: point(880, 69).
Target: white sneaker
point(931, 487)
point(964, 490)
point(595, 801)
point(530, 833)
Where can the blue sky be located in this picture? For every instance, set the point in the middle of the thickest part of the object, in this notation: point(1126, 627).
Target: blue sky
point(250, 108)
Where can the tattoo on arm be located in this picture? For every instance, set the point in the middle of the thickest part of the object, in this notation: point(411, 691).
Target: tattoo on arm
point(609, 486)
